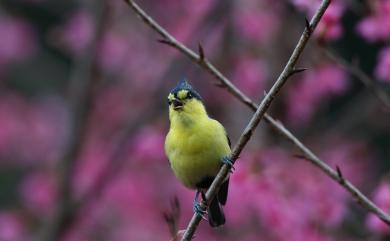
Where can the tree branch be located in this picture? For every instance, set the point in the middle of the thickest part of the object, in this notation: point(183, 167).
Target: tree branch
point(172, 218)
point(279, 127)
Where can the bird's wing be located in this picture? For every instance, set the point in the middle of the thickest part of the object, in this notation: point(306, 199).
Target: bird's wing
point(223, 192)
point(228, 139)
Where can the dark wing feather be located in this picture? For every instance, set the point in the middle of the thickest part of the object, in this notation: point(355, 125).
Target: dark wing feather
point(223, 192)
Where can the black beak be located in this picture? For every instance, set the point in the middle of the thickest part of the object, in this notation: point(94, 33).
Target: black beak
point(177, 105)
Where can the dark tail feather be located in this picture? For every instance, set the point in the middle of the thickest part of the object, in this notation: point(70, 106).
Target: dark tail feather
point(216, 216)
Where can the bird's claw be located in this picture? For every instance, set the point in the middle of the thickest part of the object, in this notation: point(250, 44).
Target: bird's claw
point(197, 207)
point(228, 161)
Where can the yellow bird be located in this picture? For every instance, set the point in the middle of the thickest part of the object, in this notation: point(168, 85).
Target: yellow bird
point(197, 146)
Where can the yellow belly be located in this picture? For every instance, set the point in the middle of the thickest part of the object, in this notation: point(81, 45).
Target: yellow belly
point(195, 152)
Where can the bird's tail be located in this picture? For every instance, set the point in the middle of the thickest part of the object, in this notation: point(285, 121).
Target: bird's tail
point(216, 215)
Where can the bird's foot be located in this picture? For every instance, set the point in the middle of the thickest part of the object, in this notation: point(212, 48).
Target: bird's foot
point(228, 161)
point(197, 206)
point(198, 209)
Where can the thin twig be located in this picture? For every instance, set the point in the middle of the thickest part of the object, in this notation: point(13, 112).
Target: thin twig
point(172, 218)
point(354, 70)
point(276, 125)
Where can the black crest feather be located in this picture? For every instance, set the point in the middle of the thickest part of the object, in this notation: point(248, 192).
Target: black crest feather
point(184, 85)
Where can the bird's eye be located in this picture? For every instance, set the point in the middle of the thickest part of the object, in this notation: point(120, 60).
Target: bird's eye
point(169, 102)
point(189, 95)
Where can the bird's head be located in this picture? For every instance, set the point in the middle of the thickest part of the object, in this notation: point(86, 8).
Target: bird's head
point(185, 102)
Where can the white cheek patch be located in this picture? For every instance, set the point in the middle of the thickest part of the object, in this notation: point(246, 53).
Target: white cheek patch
point(171, 97)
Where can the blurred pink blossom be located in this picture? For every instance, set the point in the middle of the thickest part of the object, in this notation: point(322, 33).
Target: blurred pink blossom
point(382, 199)
point(382, 70)
point(90, 164)
point(256, 24)
point(325, 81)
point(111, 110)
point(307, 5)
point(18, 40)
point(197, 9)
point(376, 26)
point(76, 33)
point(143, 54)
point(250, 74)
point(242, 188)
point(47, 126)
point(192, 12)
point(38, 193)
point(330, 27)
point(11, 227)
point(280, 192)
point(31, 130)
point(148, 146)
point(330, 80)
point(114, 50)
point(128, 208)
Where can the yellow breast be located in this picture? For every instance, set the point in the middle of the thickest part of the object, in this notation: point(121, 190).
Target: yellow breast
point(195, 151)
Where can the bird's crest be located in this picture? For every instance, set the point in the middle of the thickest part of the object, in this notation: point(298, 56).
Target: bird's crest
point(184, 85)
